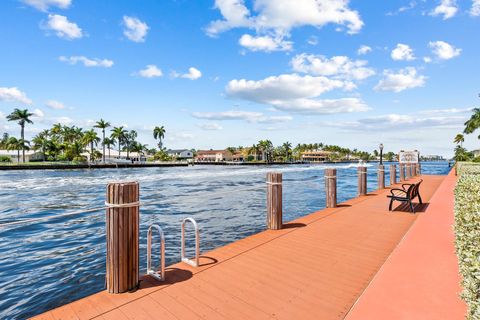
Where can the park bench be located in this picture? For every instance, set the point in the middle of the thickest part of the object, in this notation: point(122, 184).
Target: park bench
point(406, 194)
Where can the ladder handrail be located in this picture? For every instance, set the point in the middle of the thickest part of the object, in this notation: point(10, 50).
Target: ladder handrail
point(160, 276)
point(194, 263)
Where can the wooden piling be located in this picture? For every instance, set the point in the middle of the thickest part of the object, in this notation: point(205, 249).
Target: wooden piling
point(393, 174)
point(274, 200)
point(419, 169)
point(401, 168)
point(122, 224)
point(381, 176)
point(408, 172)
point(362, 181)
point(331, 187)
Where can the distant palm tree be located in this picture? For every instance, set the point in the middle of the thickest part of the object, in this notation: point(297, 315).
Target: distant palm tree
point(459, 139)
point(40, 142)
point(118, 133)
point(18, 144)
point(287, 146)
point(91, 138)
point(130, 140)
point(108, 142)
point(473, 123)
point(102, 124)
point(23, 117)
point(159, 133)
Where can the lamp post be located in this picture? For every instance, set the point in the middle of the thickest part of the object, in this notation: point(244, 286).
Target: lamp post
point(381, 153)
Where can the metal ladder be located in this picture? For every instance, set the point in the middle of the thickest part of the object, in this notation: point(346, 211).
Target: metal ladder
point(159, 275)
point(195, 262)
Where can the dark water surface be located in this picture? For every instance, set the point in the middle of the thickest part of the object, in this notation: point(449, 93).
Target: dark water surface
point(50, 263)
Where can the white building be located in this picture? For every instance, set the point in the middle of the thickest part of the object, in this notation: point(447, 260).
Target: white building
point(112, 156)
point(180, 154)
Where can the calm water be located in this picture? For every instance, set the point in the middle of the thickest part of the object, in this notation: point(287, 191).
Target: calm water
point(47, 264)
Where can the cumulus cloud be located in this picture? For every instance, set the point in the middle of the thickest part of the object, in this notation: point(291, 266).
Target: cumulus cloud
point(44, 5)
point(37, 113)
point(363, 50)
point(340, 67)
point(87, 62)
point(265, 43)
point(402, 52)
point(62, 27)
point(135, 29)
point(279, 17)
point(54, 104)
point(406, 78)
point(14, 94)
point(150, 71)
point(443, 50)
point(475, 9)
point(212, 126)
point(249, 116)
point(446, 8)
point(192, 74)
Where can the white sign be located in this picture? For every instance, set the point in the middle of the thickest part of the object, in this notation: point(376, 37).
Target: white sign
point(408, 156)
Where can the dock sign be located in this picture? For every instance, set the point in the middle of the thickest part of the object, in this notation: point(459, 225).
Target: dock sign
point(409, 156)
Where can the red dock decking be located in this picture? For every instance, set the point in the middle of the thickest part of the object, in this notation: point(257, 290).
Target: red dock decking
point(314, 268)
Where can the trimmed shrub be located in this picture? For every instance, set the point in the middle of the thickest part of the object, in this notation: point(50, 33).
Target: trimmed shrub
point(5, 159)
point(467, 234)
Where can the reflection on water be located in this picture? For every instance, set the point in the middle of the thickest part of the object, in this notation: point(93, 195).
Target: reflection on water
point(47, 264)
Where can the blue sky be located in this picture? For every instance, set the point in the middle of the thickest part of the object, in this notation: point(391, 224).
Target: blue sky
point(220, 73)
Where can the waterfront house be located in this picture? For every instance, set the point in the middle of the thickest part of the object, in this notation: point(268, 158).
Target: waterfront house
point(181, 154)
point(316, 156)
point(213, 156)
point(30, 155)
point(112, 156)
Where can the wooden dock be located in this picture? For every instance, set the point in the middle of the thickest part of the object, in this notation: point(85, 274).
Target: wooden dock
point(316, 267)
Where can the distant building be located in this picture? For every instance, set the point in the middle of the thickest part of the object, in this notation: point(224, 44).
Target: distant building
point(433, 157)
point(181, 154)
point(112, 156)
point(30, 155)
point(238, 156)
point(213, 156)
point(316, 156)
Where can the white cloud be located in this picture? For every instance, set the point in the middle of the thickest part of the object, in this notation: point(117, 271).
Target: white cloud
point(249, 116)
point(87, 62)
point(38, 113)
point(313, 41)
point(150, 71)
point(62, 27)
point(411, 5)
point(192, 74)
point(44, 5)
point(265, 43)
point(402, 52)
point(279, 17)
point(135, 29)
point(427, 59)
point(14, 94)
point(213, 126)
point(406, 78)
point(323, 106)
point(364, 50)
point(54, 104)
point(444, 50)
point(339, 66)
point(282, 87)
point(414, 122)
point(475, 9)
point(446, 8)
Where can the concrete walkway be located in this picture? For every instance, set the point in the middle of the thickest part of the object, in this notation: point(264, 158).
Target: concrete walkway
point(420, 280)
point(314, 268)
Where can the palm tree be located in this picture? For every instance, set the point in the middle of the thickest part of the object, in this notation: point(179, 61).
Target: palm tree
point(23, 117)
point(130, 139)
point(159, 133)
point(102, 124)
point(40, 142)
point(91, 138)
point(119, 134)
point(473, 123)
point(108, 142)
point(287, 146)
point(18, 144)
point(459, 139)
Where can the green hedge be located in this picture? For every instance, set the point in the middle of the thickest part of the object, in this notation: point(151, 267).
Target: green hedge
point(467, 234)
